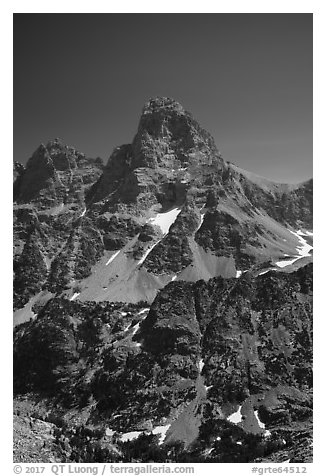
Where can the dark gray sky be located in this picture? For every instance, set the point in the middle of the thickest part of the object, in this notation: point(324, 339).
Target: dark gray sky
point(246, 78)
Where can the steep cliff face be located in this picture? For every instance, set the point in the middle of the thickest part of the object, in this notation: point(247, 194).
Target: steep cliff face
point(213, 363)
point(49, 196)
point(18, 170)
point(155, 166)
point(167, 202)
point(56, 174)
point(163, 301)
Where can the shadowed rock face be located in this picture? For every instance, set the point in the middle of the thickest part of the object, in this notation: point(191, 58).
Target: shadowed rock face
point(171, 326)
point(200, 352)
point(38, 175)
point(18, 170)
point(132, 315)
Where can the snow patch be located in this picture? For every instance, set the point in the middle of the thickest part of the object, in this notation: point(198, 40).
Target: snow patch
point(303, 249)
point(200, 365)
point(82, 213)
point(287, 262)
point(109, 432)
point(142, 259)
point(146, 309)
point(202, 216)
point(161, 430)
point(131, 435)
point(135, 329)
point(73, 297)
point(264, 272)
point(235, 417)
point(165, 220)
point(304, 233)
point(113, 257)
point(260, 423)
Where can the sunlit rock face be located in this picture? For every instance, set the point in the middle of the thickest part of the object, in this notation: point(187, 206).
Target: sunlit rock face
point(168, 202)
point(163, 300)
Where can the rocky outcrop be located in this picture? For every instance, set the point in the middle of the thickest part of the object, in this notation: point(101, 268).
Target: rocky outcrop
point(171, 326)
point(168, 135)
point(208, 337)
point(49, 196)
point(30, 271)
point(82, 211)
point(286, 203)
point(18, 170)
point(56, 174)
point(225, 235)
point(168, 141)
point(208, 346)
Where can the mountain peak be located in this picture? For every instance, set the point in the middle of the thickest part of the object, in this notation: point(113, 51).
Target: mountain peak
point(54, 172)
point(174, 276)
point(166, 132)
point(162, 103)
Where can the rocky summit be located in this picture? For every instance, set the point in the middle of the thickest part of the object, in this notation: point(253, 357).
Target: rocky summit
point(163, 303)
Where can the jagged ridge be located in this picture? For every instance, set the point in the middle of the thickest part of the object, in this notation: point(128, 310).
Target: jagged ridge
point(172, 162)
point(166, 213)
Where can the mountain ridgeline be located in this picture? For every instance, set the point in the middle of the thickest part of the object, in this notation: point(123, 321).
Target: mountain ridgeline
point(163, 302)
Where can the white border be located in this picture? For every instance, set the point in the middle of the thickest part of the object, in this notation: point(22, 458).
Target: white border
point(60, 6)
